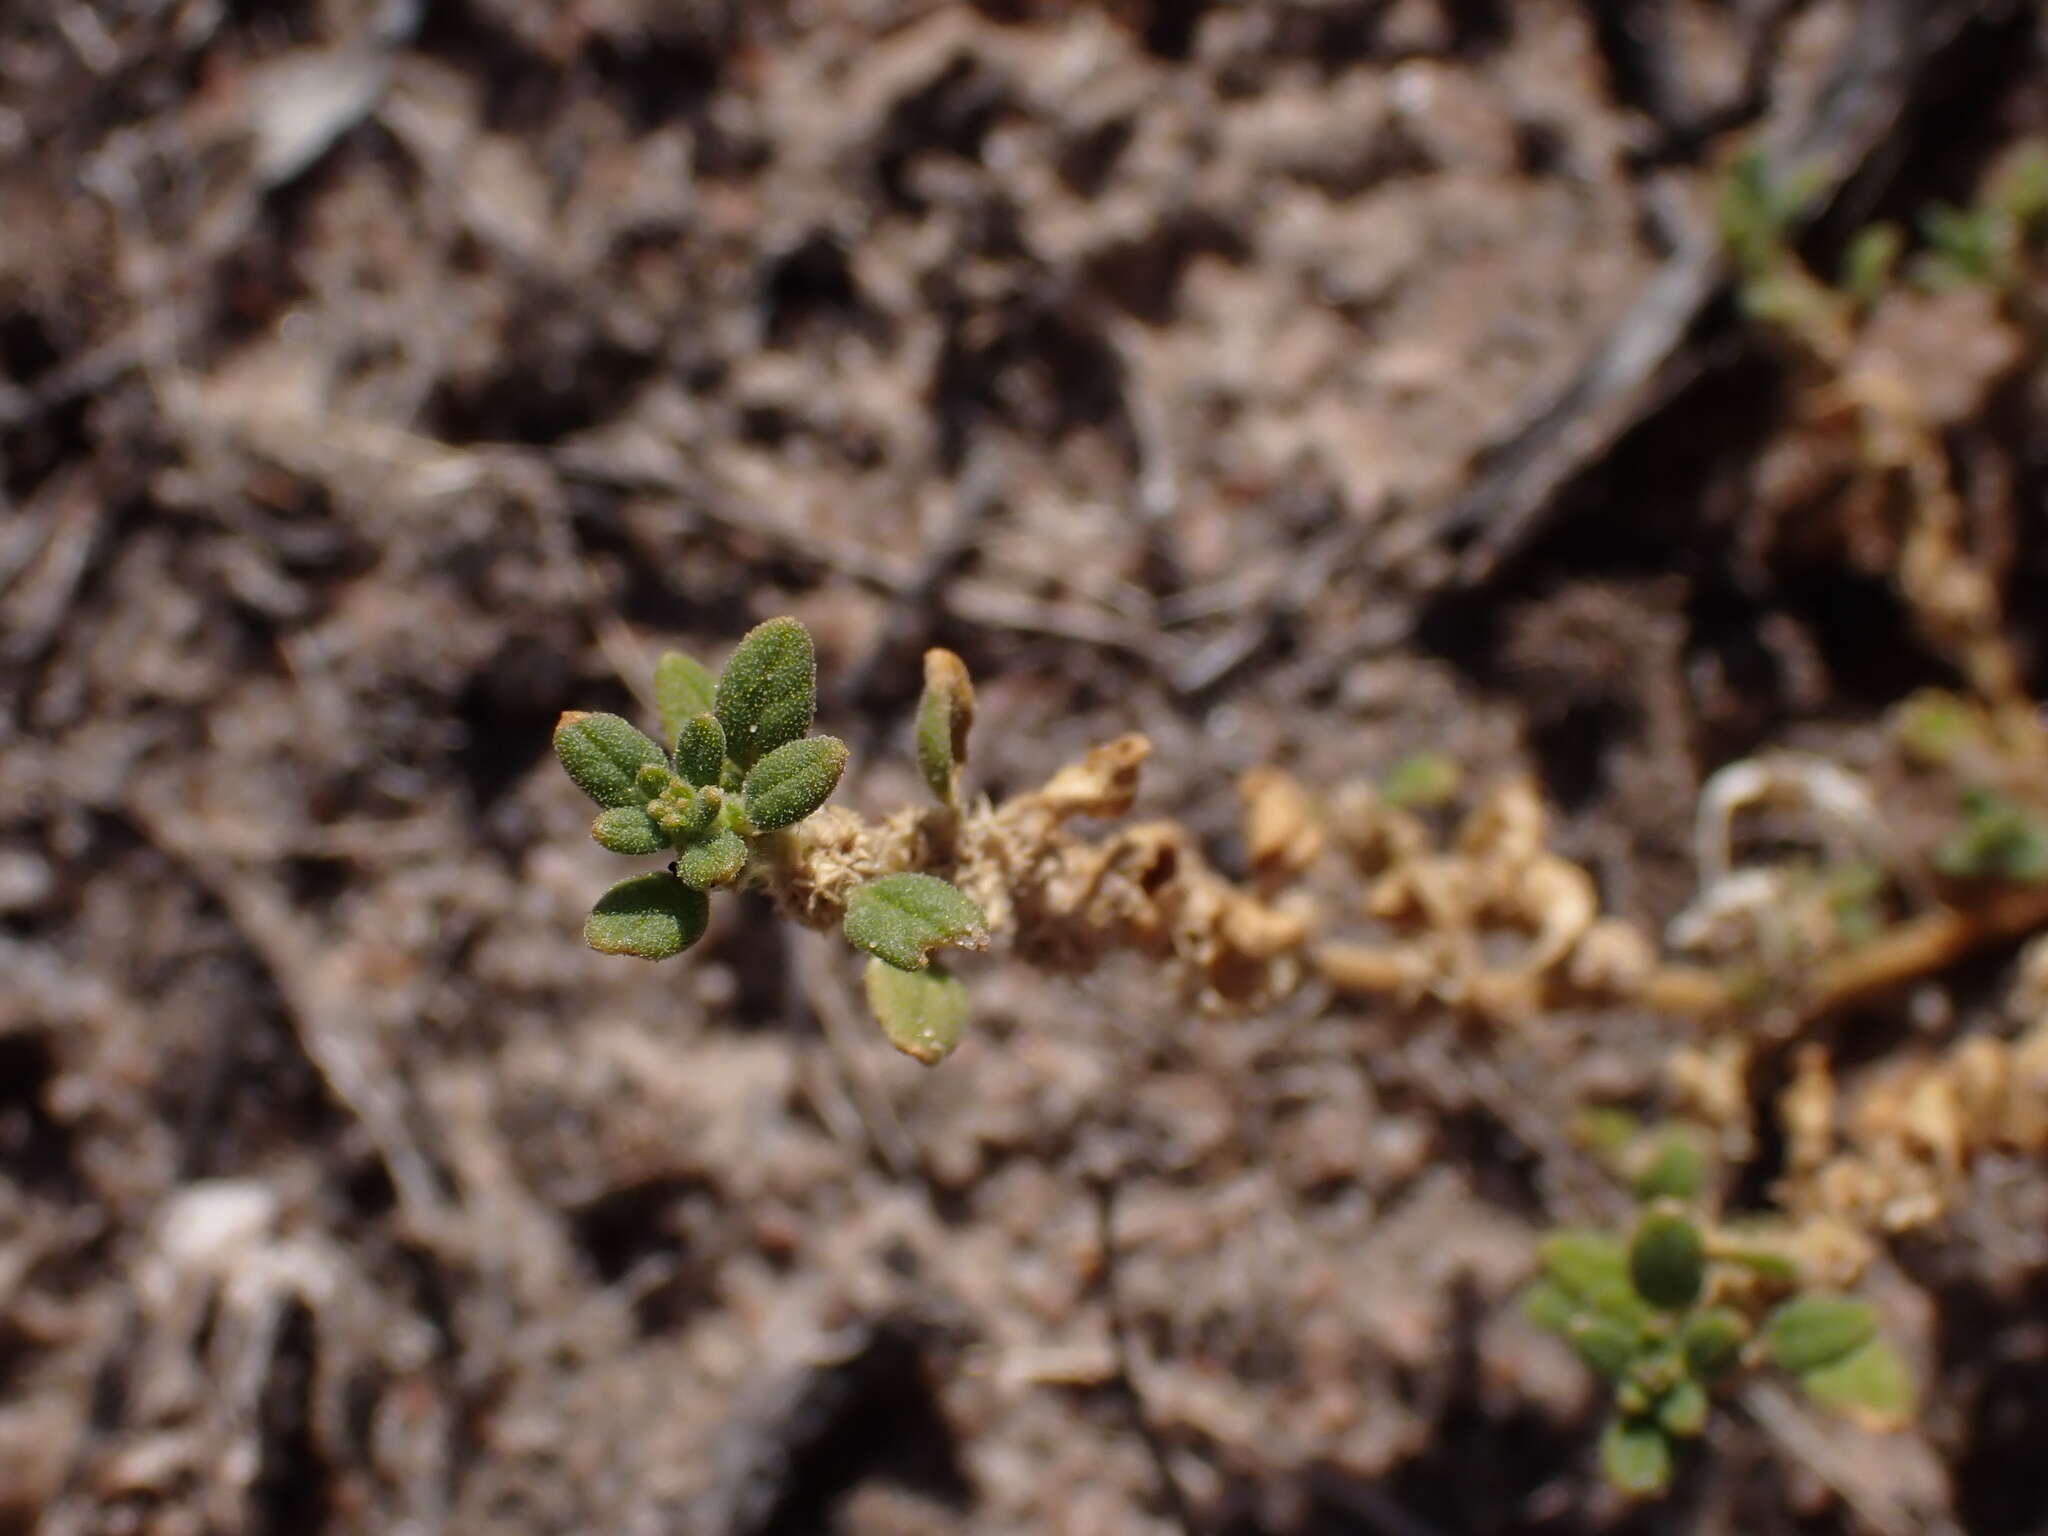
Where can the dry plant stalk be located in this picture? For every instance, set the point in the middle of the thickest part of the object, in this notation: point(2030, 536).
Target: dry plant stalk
point(1448, 913)
point(1055, 897)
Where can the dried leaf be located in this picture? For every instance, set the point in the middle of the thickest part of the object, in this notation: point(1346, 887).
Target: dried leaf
point(1282, 833)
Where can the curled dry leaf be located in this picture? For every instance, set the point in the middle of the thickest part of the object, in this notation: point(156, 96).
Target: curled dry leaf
point(1058, 898)
point(1899, 1153)
point(1447, 910)
point(1283, 835)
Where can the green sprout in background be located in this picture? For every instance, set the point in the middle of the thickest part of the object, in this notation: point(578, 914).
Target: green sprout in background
point(1673, 1310)
point(1988, 243)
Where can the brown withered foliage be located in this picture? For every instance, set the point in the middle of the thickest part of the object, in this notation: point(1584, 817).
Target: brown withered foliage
point(1053, 895)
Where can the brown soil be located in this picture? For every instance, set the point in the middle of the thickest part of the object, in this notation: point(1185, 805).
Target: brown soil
point(375, 384)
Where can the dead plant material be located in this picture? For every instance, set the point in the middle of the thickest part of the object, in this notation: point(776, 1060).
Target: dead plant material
point(1283, 834)
point(1895, 1154)
point(1063, 900)
point(1451, 912)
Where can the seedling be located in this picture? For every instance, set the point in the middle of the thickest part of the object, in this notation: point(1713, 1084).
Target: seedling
point(1673, 1311)
point(735, 767)
point(1422, 781)
point(1999, 840)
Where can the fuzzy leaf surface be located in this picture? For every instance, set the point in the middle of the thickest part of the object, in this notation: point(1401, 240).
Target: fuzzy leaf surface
point(1667, 1261)
point(1712, 1341)
point(1682, 1412)
point(700, 749)
point(793, 781)
point(1869, 1386)
point(715, 861)
point(1674, 1168)
point(650, 917)
point(626, 829)
point(1636, 1456)
point(1812, 1331)
point(683, 688)
point(1549, 1306)
point(922, 1013)
point(1592, 1268)
point(944, 715)
point(604, 755)
point(1607, 1345)
point(1766, 1263)
point(700, 812)
point(768, 693)
point(903, 918)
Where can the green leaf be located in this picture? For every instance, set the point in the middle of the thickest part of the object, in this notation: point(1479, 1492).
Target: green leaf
point(944, 714)
point(716, 860)
point(768, 693)
point(1999, 840)
point(1549, 1306)
point(604, 755)
point(902, 918)
point(1636, 1457)
point(1870, 1386)
point(1659, 1370)
point(682, 691)
point(923, 1013)
point(650, 916)
point(1972, 245)
point(1675, 1169)
point(1765, 1263)
point(1817, 1330)
point(626, 829)
point(1605, 1130)
point(1667, 1261)
point(1871, 261)
point(698, 812)
point(1712, 1341)
point(2020, 190)
point(793, 781)
point(700, 749)
point(1682, 1412)
point(1934, 728)
point(1607, 1345)
point(1592, 1268)
point(1422, 781)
